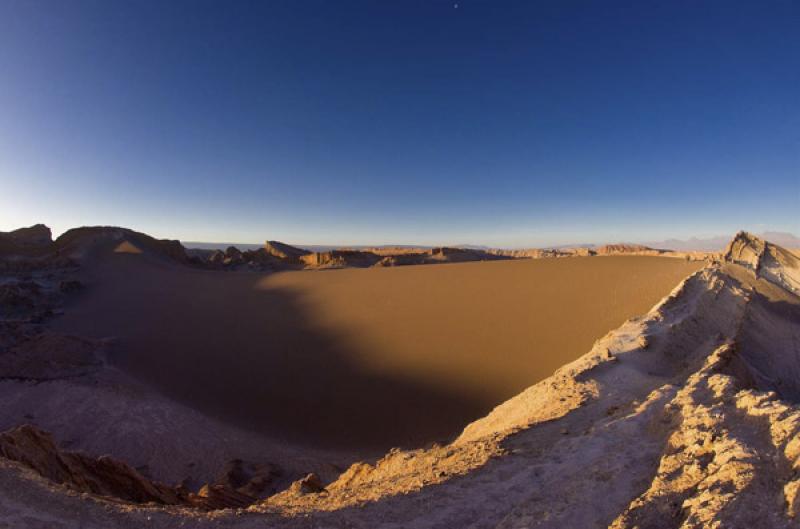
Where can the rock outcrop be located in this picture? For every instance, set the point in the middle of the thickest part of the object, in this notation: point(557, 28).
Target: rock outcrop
point(86, 242)
point(284, 251)
point(25, 241)
point(442, 255)
point(233, 256)
point(626, 249)
point(274, 256)
point(340, 259)
point(607, 249)
point(537, 253)
point(764, 259)
point(109, 477)
point(103, 476)
point(311, 484)
point(29, 249)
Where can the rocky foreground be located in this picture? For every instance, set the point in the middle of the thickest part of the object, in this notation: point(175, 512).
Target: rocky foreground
point(687, 416)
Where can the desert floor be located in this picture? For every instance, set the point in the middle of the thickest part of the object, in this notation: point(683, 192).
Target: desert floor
point(318, 357)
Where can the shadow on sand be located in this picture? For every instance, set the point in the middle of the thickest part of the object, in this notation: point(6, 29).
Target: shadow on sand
point(253, 357)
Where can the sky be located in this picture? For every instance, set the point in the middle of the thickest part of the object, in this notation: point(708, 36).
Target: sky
point(525, 123)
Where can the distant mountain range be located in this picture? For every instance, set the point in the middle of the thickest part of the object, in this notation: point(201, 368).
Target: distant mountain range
point(718, 243)
point(310, 247)
point(693, 244)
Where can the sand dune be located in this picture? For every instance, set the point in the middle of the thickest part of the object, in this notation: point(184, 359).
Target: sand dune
point(318, 357)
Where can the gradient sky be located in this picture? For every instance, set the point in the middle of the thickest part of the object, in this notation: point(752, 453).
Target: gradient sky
point(503, 123)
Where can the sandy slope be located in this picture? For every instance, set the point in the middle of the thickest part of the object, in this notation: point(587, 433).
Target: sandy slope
point(683, 417)
point(319, 357)
point(675, 416)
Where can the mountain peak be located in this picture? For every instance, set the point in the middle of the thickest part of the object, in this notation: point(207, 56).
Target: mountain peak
point(766, 260)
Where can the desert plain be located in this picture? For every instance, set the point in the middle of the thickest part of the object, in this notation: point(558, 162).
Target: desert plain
point(359, 359)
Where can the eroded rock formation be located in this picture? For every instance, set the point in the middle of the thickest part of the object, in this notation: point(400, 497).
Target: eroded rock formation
point(104, 476)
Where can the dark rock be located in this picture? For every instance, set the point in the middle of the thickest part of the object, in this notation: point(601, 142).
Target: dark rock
point(70, 286)
point(13, 298)
point(217, 258)
point(233, 256)
point(26, 241)
point(253, 479)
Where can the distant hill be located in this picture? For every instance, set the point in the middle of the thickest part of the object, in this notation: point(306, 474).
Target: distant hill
point(199, 245)
point(693, 244)
point(718, 243)
point(196, 245)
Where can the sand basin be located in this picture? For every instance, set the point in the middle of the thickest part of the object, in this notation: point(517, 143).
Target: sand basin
point(362, 359)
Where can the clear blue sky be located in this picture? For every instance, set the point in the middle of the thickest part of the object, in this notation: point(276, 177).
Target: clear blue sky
point(504, 123)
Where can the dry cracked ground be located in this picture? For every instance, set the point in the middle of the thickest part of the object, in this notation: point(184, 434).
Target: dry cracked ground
point(684, 417)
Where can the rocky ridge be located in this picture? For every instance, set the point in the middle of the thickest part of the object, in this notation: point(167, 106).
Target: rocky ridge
point(281, 256)
point(109, 477)
point(765, 259)
point(714, 425)
point(33, 248)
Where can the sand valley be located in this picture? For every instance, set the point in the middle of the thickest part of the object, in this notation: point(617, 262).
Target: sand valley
point(143, 385)
point(293, 354)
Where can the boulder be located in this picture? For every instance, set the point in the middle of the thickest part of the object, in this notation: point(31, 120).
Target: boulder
point(311, 484)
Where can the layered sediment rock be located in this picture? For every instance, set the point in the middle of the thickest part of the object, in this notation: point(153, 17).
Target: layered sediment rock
point(626, 249)
point(284, 251)
point(764, 259)
point(340, 259)
point(442, 255)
